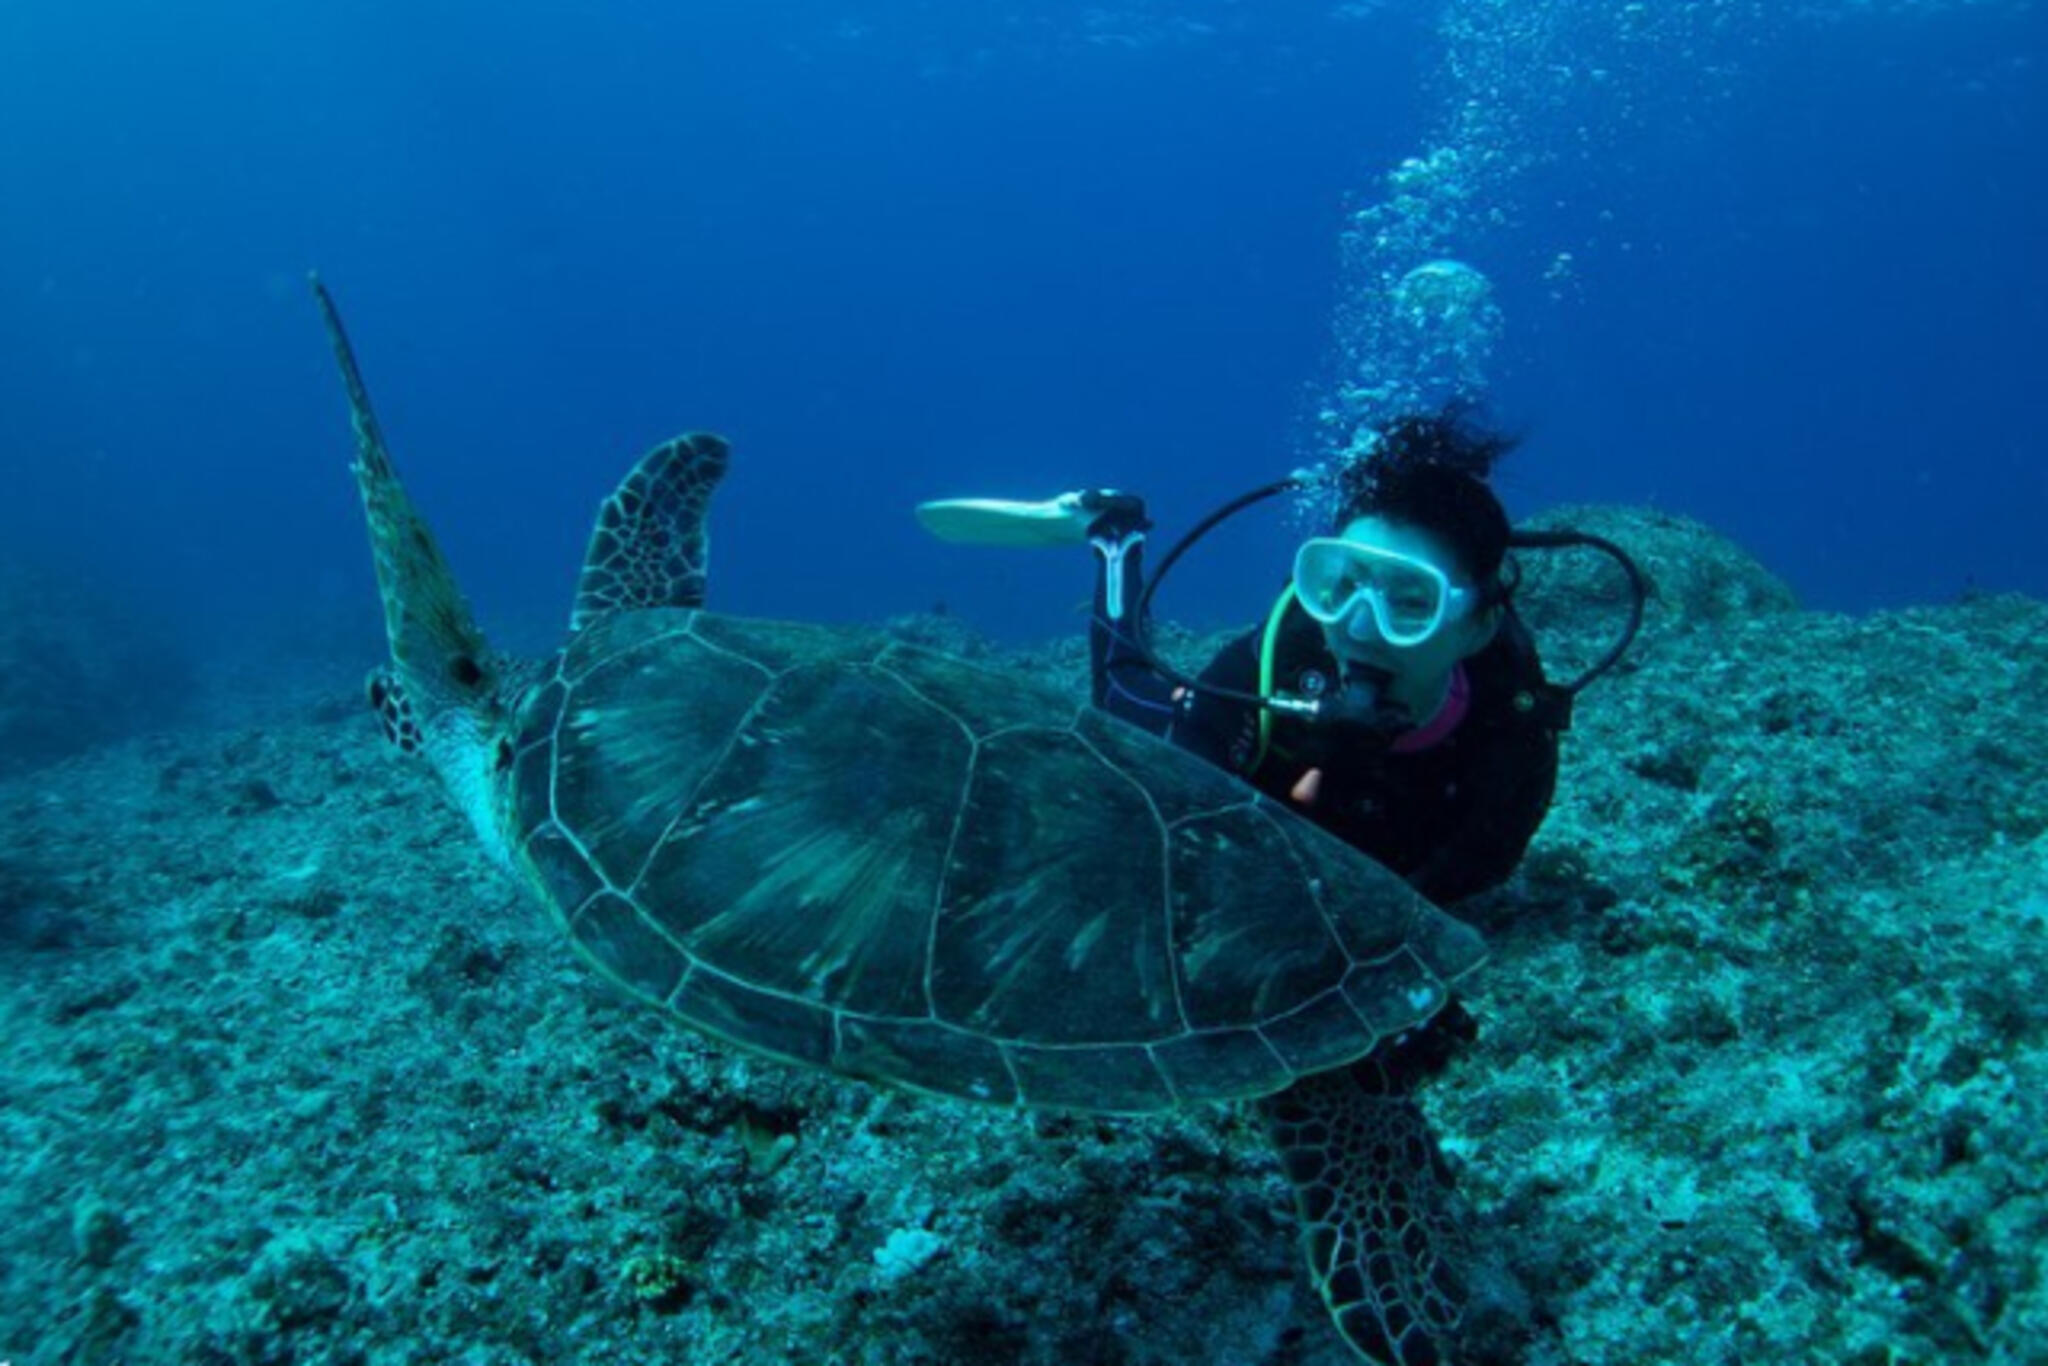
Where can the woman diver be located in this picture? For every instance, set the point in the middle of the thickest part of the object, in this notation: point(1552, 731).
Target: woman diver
point(1423, 730)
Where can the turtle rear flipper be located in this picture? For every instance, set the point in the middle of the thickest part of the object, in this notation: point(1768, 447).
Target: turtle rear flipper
point(1378, 1224)
point(649, 546)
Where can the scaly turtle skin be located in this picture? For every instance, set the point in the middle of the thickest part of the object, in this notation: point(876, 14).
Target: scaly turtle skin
point(849, 853)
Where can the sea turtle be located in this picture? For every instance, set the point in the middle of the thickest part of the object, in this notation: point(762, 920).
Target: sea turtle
point(846, 852)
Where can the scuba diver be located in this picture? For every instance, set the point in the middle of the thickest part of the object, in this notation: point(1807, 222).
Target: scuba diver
point(1393, 696)
point(1433, 743)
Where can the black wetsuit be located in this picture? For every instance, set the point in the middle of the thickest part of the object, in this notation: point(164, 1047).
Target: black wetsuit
point(1453, 818)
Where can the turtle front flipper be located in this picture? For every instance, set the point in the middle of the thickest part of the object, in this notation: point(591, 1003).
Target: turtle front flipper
point(1377, 1221)
point(440, 659)
point(649, 546)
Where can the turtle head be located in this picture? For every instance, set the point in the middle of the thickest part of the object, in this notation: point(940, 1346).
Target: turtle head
point(443, 696)
point(467, 747)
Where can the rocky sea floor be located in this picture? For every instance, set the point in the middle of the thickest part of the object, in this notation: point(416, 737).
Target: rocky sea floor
point(293, 1076)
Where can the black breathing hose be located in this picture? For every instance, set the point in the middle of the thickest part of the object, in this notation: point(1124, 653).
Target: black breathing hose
point(1134, 636)
point(1638, 594)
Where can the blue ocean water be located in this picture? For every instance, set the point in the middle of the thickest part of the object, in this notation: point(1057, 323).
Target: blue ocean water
point(1783, 272)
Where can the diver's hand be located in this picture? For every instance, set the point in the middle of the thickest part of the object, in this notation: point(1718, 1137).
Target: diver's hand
point(1307, 788)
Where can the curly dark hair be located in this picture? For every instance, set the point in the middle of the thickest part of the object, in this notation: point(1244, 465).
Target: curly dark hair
point(1430, 470)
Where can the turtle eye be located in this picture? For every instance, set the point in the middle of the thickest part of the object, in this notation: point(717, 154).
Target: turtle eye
point(466, 671)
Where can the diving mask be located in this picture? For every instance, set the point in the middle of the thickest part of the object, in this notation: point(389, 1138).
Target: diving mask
point(1409, 598)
